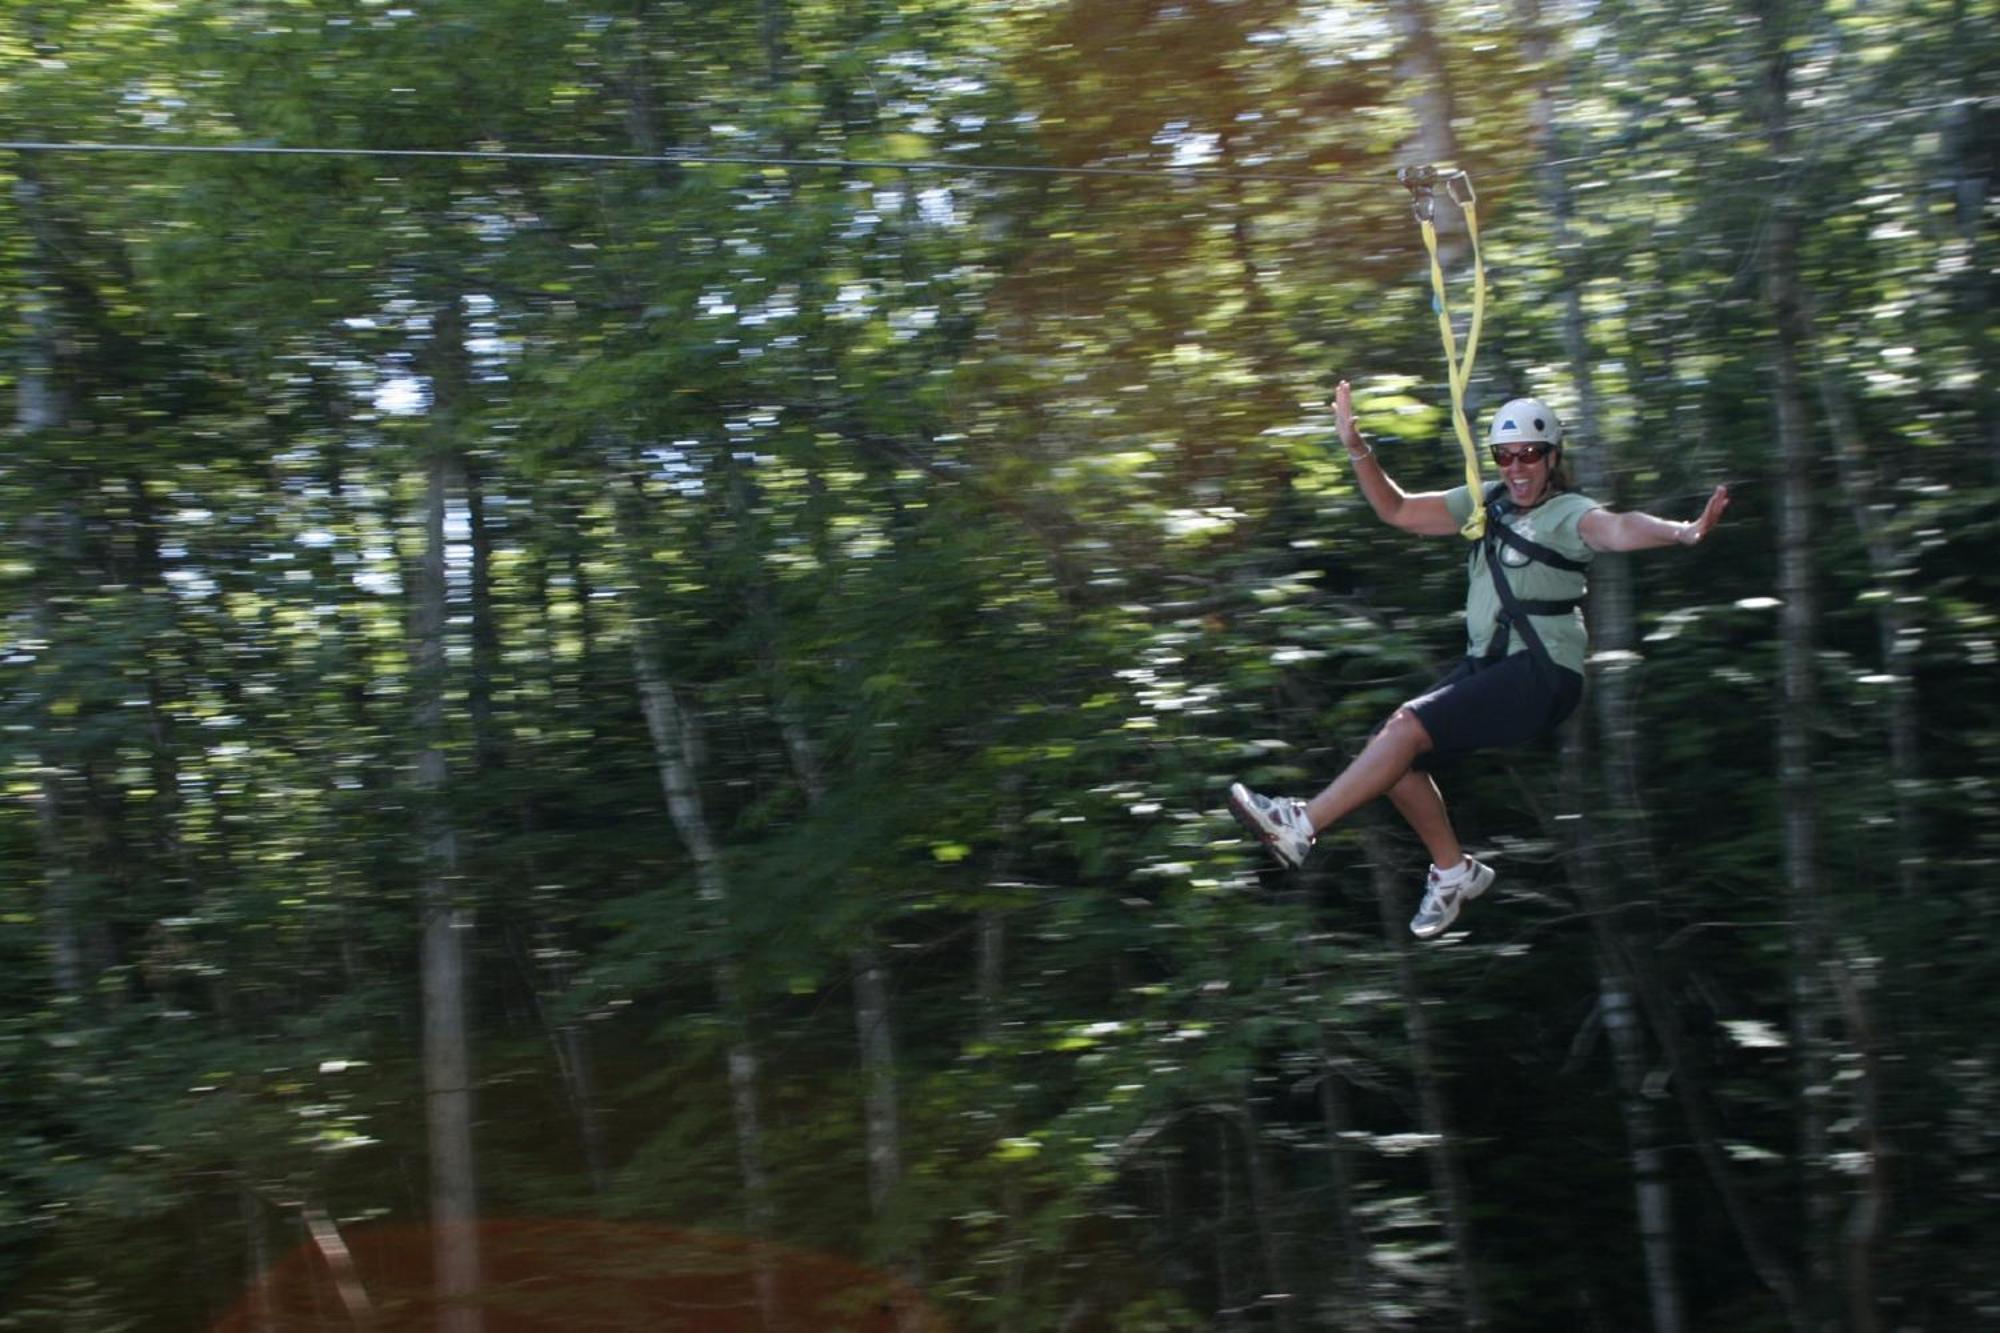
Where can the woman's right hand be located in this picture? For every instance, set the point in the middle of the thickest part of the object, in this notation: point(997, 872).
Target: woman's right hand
point(1343, 417)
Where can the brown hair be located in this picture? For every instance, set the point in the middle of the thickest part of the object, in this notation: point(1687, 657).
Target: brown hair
point(1560, 478)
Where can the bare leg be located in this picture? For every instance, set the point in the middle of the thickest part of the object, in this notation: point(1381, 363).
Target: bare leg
point(1382, 764)
point(1420, 803)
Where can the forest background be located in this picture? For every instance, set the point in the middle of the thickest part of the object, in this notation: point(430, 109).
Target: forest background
point(550, 682)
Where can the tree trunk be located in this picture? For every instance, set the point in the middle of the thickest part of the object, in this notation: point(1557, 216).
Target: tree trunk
point(38, 398)
point(58, 890)
point(1264, 1196)
point(1627, 967)
point(487, 752)
point(1862, 1233)
point(1613, 637)
point(878, 1071)
point(1652, 1195)
point(572, 1045)
point(1971, 153)
point(447, 920)
point(771, 32)
point(992, 980)
point(256, 1260)
point(1599, 884)
point(1798, 694)
point(1420, 67)
point(1229, 1314)
point(1351, 1307)
point(676, 752)
point(1454, 1196)
point(39, 407)
point(544, 965)
point(1892, 623)
point(575, 1066)
point(874, 1023)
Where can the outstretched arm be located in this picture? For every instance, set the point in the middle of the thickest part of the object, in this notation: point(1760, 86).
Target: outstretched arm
point(1604, 530)
point(1424, 514)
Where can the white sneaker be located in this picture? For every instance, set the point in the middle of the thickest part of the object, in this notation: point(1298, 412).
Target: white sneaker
point(1280, 821)
point(1445, 891)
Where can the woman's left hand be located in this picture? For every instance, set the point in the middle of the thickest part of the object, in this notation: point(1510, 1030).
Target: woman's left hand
point(1711, 514)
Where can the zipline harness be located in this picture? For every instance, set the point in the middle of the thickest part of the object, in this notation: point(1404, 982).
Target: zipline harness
point(1422, 183)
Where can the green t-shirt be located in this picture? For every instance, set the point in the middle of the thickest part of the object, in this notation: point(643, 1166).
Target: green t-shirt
point(1554, 523)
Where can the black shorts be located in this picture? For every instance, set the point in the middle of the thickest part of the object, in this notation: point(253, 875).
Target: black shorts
point(1486, 705)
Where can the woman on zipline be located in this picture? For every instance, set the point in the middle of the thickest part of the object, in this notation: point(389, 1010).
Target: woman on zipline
point(1523, 669)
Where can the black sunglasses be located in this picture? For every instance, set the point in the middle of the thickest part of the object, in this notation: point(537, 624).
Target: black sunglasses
point(1526, 453)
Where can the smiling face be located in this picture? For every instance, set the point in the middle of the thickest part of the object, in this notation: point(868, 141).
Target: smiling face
point(1527, 470)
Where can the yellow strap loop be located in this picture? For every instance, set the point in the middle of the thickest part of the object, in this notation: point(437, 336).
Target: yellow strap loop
point(1460, 372)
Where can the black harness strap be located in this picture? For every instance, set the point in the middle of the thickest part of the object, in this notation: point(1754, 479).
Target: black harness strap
point(1516, 611)
point(1534, 550)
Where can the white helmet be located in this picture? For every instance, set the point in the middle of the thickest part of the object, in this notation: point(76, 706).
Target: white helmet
point(1525, 421)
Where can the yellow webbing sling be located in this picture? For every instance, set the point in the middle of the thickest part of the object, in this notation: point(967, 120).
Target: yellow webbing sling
point(1420, 182)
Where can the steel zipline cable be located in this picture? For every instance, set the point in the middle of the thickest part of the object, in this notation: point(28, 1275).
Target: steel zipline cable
point(928, 165)
point(684, 160)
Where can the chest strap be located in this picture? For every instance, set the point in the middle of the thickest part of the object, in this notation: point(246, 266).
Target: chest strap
point(1515, 611)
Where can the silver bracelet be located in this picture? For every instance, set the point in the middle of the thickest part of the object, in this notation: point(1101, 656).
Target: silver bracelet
point(1367, 451)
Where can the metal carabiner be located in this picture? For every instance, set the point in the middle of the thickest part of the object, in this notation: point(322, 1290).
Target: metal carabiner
point(1421, 182)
